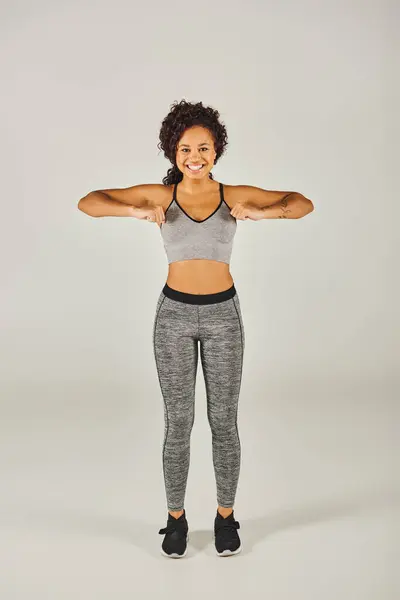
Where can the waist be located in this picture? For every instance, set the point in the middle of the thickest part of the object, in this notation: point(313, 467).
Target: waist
point(213, 298)
point(199, 276)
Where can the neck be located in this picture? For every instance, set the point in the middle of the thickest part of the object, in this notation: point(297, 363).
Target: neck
point(196, 186)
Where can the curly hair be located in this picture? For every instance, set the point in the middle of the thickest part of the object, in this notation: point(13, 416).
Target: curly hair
point(182, 116)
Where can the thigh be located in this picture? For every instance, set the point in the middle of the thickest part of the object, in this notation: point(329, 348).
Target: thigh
point(176, 351)
point(222, 351)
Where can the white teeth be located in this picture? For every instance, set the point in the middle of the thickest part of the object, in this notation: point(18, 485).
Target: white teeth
point(194, 168)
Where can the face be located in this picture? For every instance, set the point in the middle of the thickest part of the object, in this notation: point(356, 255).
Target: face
point(196, 149)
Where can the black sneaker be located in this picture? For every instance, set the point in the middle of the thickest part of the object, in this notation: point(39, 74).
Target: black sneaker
point(226, 537)
point(176, 536)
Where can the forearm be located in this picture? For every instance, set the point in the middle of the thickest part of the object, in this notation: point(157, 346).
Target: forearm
point(291, 206)
point(98, 204)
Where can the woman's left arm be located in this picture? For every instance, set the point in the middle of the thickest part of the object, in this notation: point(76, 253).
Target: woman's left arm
point(256, 203)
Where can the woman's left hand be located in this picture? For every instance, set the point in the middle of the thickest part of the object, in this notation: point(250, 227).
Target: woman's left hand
point(243, 211)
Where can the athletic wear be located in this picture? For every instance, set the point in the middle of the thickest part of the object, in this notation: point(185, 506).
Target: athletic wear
point(183, 323)
point(226, 537)
point(174, 544)
point(185, 238)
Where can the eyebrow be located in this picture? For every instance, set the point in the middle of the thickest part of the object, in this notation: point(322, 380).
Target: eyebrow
point(202, 144)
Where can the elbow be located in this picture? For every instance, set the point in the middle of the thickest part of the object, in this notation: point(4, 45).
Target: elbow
point(307, 207)
point(86, 206)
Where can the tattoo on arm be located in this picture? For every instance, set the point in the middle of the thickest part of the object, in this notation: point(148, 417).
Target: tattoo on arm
point(283, 204)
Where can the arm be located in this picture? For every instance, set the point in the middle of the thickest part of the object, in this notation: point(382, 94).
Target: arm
point(292, 205)
point(274, 204)
point(122, 202)
point(99, 204)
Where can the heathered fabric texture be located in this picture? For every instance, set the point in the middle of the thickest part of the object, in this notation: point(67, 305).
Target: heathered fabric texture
point(180, 329)
point(185, 238)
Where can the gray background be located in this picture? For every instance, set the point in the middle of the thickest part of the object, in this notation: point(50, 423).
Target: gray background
point(307, 92)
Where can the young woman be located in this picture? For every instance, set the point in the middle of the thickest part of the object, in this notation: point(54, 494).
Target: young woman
point(198, 306)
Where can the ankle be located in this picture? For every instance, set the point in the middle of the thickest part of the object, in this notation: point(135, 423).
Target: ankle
point(224, 512)
point(176, 513)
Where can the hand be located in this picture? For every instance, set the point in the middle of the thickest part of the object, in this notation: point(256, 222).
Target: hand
point(244, 210)
point(153, 214)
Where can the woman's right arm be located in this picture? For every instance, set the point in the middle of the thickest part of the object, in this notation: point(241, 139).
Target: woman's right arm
point(133, 201)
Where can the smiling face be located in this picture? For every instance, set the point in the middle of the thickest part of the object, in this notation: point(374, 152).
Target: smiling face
point(195, 153)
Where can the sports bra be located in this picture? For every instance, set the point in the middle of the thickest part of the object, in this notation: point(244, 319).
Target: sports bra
point(186, 238)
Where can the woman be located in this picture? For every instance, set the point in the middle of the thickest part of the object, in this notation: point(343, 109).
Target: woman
point(199, 305)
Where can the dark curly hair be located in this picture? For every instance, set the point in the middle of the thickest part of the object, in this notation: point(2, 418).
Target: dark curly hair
point(183, 115)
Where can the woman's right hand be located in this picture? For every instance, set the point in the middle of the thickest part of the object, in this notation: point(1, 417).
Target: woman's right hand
point(153, 214)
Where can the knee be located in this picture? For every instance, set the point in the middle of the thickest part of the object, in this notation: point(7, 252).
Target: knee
point(180, 425)
point(223, 425)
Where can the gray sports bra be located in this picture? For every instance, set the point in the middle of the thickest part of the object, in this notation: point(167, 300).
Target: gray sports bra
point(186, 238)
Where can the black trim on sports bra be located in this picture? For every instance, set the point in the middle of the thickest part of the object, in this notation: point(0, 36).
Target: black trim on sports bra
point(221, 193)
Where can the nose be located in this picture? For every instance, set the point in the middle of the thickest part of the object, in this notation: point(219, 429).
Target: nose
point(195, 157)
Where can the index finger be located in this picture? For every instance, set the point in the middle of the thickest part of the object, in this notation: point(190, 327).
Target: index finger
point(160, 214)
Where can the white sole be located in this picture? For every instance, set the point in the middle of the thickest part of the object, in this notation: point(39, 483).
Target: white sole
point(229, 552)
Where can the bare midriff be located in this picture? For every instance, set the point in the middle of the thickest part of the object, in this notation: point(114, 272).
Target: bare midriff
point(199, 276)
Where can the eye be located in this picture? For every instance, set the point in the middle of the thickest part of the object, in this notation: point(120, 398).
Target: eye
point(187, 149)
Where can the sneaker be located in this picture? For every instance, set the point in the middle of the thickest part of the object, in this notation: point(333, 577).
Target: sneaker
point(226, 537)
point(176, 536)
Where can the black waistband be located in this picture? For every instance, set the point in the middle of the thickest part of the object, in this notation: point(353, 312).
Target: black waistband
point(199, 298)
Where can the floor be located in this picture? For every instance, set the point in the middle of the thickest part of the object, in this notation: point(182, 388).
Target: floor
point(82, 495)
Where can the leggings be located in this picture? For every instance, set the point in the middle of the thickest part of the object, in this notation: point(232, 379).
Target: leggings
point(182, 322)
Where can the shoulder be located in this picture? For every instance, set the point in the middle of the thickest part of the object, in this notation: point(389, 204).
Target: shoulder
point(235, 193)
point(159, 194)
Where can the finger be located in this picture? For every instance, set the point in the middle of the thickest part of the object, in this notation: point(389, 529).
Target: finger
point(236, 209)
point(156, 217)
point(161, 213)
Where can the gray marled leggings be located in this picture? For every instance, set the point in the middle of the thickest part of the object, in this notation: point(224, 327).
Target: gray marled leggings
point(183, 321)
